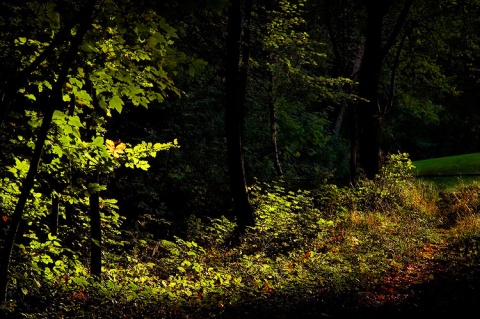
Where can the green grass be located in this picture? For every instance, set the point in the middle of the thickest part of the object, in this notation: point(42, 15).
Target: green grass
point(450, 165)
point(459, 164)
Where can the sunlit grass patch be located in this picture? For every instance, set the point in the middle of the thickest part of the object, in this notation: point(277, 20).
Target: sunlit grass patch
point(450, 165)
point(450, 172)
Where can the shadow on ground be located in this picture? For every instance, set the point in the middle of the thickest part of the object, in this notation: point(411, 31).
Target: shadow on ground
point(449, 295)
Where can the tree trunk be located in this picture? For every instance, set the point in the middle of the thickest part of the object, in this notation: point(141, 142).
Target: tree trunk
point(22, 200)
point(234, 109)
point(55, 103)
point(369, 121)
point(273, 127)
point(369, 110)
point(346, 104)
point(95, 234)
point(95, 217)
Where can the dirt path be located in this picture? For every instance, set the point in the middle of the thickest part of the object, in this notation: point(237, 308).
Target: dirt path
point(425, 289)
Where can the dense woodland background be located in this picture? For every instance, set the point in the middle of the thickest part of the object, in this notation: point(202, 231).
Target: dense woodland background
point(126, 124)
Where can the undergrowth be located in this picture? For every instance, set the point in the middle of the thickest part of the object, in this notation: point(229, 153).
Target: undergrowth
point(333, 241)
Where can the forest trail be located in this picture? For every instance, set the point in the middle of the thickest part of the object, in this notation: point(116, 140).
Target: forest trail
point(428, 288)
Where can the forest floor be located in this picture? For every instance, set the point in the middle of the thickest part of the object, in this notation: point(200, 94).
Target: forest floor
point(431, 288)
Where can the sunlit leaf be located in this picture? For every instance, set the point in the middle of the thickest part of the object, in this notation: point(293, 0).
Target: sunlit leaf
point(116, 103)
point(115, 148)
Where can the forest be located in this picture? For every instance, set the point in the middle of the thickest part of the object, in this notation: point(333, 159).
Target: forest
point(239, 158)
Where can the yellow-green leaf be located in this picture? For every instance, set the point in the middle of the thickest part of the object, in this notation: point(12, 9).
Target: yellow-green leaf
point(116, 103)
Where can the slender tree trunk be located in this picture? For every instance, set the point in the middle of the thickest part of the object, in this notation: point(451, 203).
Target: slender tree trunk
point(70, 224)
point(95, 234)
point(56, 102)
point(273, 127)
point(233, 118)
point(339, 119)
point(393, 72)
point(352, 114)
point(95, 217)
point(22, 200)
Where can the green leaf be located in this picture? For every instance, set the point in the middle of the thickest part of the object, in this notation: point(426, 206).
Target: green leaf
point(82, 94)
point(116, 103)
point(143, 165)
point(76, 82)
point(46, 259)
point(98, 141)
point(75, 121)
point(57, 150)
point(134, 90)
point(58, 116)
point(167, 28)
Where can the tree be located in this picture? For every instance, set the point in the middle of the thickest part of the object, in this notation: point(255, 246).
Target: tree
point(361, 35)
point(56, 101)
point(97, 70)
point(369, 109)
point(234, 111)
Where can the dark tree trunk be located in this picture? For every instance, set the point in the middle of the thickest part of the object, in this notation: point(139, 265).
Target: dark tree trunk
point(369, 111)
point(339, 117)
point(349, 106)
point(56, 102)
point(95, 217)
point(393, 72)
point(95, 234)
point(27, 186)
point(234, 110)
point(368, 115)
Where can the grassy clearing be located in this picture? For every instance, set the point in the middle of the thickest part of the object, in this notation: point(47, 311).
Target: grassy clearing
point(436, 168)
point(460, 164)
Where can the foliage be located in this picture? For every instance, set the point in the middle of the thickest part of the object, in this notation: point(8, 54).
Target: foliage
point(288, 76)
point(333, 241)
point(114, 68)
point(393, 190)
